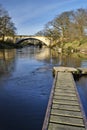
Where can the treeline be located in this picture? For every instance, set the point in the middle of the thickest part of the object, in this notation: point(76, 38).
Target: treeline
point(7, 27)
point(67, 27)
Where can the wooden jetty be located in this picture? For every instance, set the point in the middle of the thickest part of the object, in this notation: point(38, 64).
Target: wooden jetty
point(64, 111)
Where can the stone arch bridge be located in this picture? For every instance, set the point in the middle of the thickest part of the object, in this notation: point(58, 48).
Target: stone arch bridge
point(20, 38)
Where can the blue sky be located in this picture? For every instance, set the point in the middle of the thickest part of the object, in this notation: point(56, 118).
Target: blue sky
point(30, 16)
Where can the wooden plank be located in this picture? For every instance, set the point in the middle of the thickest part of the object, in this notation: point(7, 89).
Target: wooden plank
point(64, 94)
point(66, 107)
point(65, 87)
point(67, 113)
point(53, 126)
point(65, 91)
point(59, 101)
point(65, 97)
point(66, 121)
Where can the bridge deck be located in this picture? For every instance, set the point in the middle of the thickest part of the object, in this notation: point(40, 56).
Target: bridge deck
point(64, 110)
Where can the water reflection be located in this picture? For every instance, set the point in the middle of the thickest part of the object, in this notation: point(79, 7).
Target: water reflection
point(72, 60)
point(9, 57)
point(82, 89)
point(7, 62)
point(25, 84)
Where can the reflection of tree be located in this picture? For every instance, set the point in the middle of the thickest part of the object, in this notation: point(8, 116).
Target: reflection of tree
point(52, 57)
point(28, 52)
point(7, 59)
point(46, 55)
point(72, 60)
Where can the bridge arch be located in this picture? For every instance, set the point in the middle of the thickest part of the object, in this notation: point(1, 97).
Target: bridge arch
point(31, 42)
point(43, 39)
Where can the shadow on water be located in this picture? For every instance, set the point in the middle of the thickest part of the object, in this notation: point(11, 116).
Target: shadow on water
point(25, 83)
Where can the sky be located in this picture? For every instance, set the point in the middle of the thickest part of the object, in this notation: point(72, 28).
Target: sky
point(30, 16)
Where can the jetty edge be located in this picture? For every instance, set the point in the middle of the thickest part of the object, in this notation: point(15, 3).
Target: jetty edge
point(65, 110)
point(75, 71)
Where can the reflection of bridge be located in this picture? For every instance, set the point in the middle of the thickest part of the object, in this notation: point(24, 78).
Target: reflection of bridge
point(20, 38)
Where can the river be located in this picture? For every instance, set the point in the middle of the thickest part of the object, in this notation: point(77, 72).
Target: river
point(25, 84)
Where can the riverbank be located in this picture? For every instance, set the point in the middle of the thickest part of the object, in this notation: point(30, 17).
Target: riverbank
point(8, 45)
point(76, 46)
point(70, 47)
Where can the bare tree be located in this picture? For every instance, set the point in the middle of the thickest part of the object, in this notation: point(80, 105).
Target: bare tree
point(67, 27)
point(80, 17)
point(7, 27)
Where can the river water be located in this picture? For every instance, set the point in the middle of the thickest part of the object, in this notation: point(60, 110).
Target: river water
point(25, 84)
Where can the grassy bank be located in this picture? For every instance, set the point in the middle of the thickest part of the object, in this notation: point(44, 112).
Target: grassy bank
point(76, 45)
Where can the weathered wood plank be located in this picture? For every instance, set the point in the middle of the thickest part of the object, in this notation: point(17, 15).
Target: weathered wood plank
point(66, 107)
point(67, 113)
point(59, 101)
point(66, 120)
point(65, 91)
point(73, 98)
point(53, 126)
point(65, 87)
point(65, 94)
